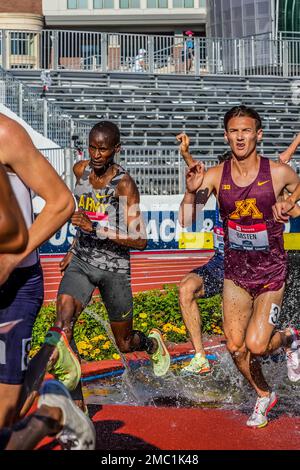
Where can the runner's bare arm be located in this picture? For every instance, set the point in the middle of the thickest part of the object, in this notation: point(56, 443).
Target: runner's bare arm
point(129, 198)
point(284, 178)
point(287, 155)
point(184, 149)
point(199, 186)
point(79, 167)
point(37, 173)
point(13, 231)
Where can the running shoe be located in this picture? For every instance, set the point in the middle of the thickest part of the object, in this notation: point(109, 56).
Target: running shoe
point(161, 357)
point(67, 367)
point(198, 365)
point(78, 432)
point(293, 357)
point(263, 405)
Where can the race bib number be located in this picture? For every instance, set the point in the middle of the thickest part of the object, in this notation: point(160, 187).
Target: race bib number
point(248, 237)
point(274, 314)
point(26, 344)
point(219, 239)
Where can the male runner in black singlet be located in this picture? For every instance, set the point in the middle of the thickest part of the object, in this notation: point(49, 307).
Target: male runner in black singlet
point(109, 224)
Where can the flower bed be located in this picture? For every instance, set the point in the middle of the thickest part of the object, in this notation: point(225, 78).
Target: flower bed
point(152, 309)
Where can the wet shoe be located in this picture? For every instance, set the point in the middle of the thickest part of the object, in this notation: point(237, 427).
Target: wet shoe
point(198, 365)
point(67, 367)
point(161, 358)
point(293, 357)
point(263, 405)
point(78, 432)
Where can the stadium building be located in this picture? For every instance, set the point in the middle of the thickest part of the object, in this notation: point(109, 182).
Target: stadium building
point(242, 18)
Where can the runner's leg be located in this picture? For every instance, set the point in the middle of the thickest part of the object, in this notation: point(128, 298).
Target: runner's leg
point(190, 289)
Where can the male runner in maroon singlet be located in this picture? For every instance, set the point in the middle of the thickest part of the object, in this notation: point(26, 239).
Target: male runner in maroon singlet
point(255, 260)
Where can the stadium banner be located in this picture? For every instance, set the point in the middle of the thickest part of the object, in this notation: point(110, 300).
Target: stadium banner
point(163, 229)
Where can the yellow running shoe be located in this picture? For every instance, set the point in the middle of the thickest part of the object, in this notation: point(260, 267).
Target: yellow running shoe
point(67, 367)
point(199, 365)
point(161, 357)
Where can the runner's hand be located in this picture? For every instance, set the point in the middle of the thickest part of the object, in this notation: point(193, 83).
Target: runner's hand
point(285, 157)
point(65, 261)
point(184, 149)
point(81, 220)
point(194, 177)
point(281, 210)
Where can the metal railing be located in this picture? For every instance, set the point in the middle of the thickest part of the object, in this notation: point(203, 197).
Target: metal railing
point(44, 117)
point(156, 171)
point(161, 172)
point(138, 53)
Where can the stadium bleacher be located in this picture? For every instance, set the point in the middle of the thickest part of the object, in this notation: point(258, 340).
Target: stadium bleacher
point(151, 109)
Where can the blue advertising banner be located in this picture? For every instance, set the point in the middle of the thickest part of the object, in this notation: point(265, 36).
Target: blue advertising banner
point(163, 229)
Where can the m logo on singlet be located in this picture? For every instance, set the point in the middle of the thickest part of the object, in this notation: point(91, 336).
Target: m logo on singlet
point(246, 208)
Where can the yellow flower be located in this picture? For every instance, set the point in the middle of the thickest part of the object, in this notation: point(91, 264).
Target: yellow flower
point(116, 356)
point(143, 315)
point(82, 345)
point(106, 345)
point(167, 327)
point(144, 324)
point(97, 351)
point(98, 338)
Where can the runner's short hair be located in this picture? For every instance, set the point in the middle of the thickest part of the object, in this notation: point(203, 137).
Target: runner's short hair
point(108, 128)
point(243, 111)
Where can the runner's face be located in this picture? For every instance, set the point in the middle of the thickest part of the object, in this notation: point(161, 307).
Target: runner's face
point(242, 136)
point(101, 150)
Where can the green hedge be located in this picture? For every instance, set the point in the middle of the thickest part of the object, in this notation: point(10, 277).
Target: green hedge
point(159, 309)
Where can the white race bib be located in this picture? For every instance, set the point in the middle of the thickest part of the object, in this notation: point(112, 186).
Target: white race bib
point(219, 239)
point(248, 237)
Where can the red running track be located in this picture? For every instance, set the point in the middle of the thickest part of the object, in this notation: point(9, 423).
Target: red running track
point(148, 271)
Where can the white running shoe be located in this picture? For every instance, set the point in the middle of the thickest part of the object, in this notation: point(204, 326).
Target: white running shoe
point(78, 431)
point(199, 365)
point(263, 405)
point(293, 357)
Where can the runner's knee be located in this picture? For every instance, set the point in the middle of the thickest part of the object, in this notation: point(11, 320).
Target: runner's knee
point(67, 310)
point(124, 344)
point(235, 346)
point(189, 288)
point(256, 347)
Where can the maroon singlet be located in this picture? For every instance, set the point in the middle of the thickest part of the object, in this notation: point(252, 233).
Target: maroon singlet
point(255, 258)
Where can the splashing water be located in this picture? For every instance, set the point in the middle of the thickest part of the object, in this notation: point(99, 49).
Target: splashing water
point(224, 387)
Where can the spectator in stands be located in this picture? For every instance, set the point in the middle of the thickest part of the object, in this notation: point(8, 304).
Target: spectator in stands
point(46, 82)
point(188, 51)
point(140, 61)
